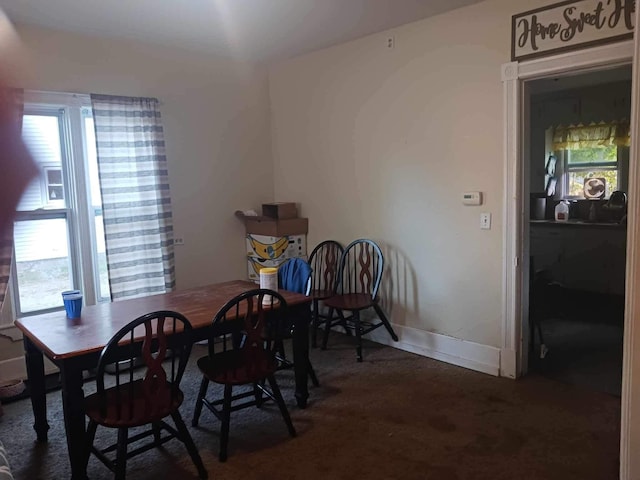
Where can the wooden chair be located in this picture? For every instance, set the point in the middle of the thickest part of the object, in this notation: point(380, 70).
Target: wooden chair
point(134, 399)
point(238, 356)
point(324, 261)
point(293, 275)
point(360, 273)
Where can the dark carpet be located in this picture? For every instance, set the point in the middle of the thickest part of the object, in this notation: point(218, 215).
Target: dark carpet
point(394, 416)
point(584, 336)
point(583, 353)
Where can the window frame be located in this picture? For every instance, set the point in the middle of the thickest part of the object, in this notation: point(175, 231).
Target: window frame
point(48, 184)
point(567, 169)
point(71, 110)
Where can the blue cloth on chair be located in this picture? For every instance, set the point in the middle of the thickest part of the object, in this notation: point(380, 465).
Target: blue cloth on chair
point(294, 275)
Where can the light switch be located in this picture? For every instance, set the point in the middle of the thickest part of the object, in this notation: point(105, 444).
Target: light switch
point(485, 221)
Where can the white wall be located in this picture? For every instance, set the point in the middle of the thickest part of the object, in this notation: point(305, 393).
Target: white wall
point(382, 143)
point(216, 119)
point(215, 115)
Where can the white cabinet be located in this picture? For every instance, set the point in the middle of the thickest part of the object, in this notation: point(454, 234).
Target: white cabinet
point(609, 106)
point(588, 257)
point(563, 111)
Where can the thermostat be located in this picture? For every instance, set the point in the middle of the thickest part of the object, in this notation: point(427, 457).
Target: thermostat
point(472, 198)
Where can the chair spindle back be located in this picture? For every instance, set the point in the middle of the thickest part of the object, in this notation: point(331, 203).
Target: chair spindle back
point(360, 268)
point(149, 341)
point(324, 261)
point(243, 322)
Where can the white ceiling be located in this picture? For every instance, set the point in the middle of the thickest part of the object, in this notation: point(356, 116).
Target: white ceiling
point(258, 30)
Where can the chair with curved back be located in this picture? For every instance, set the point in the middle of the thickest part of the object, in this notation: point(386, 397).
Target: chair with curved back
point(324, 261)
point(360, 273)
point(135, 399)
point(238, 356)
point(294, 275)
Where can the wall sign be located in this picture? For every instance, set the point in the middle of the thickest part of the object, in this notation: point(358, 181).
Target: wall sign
point(569, 26)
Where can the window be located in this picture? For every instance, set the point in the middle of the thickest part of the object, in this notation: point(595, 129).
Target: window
point(585, 163)
point(58, 236)
point(55, 187)
point(595, 158)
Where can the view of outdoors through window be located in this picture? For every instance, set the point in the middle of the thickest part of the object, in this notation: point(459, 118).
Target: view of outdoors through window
point(41, 244)
point(585, 163)
point(45, 262)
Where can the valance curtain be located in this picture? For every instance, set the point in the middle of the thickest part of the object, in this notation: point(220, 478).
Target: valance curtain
point(12, 108)
point(575, 137)
point(136, 204)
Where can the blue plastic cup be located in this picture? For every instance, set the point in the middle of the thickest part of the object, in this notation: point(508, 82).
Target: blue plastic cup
point(66, 293)
point(73, 305)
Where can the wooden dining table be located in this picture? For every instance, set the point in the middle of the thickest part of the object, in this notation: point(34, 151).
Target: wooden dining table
point(74, 346)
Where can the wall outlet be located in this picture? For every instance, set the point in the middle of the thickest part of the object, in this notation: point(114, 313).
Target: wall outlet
point(485, 221)
point(178, 241)
point(391, 42)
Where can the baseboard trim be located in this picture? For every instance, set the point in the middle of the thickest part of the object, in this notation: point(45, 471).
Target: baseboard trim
point(471, 355)
point(16, 369)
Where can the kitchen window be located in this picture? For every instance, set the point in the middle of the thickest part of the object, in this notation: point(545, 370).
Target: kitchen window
point(586, 163)
point(58, 230)
point(594, 158)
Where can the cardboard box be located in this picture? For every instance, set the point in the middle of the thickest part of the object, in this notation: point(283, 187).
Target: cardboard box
point(274, 248)
point(254, 265)
point(280, 210)
point(276, 227)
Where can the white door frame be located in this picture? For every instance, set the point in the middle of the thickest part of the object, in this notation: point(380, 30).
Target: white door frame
point(514, 74)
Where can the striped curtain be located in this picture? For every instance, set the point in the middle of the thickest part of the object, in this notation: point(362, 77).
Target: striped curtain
point(17, 170)
point(136, 204)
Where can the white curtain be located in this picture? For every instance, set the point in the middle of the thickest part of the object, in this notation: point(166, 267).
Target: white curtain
point(136, 203)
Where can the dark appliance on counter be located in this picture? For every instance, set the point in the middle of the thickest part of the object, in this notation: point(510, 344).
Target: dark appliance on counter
point(538, 206)
point(615, 209)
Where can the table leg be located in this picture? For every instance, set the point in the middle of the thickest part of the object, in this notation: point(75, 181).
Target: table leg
point(74, 421)
point(302, 315)
point(37, 391)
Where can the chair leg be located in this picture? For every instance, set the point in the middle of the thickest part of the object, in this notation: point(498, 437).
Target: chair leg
point(257, 393)
point(343, 322)
point(312, 375)
point(327, 327)
point(279, 348)
point(91, 435)
point(385, 322)
point(283, 407)
point(121, 456)
point(316, 323)
point(226, 420)
point(201, 395)
point(156, 432)
point(358, 332)
point(186, 438)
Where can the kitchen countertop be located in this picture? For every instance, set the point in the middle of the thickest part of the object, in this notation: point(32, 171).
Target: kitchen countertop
point(579, 224)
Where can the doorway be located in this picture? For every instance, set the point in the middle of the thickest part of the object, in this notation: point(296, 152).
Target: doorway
point(515, 343)
point(575, 189)
point(515, 332)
